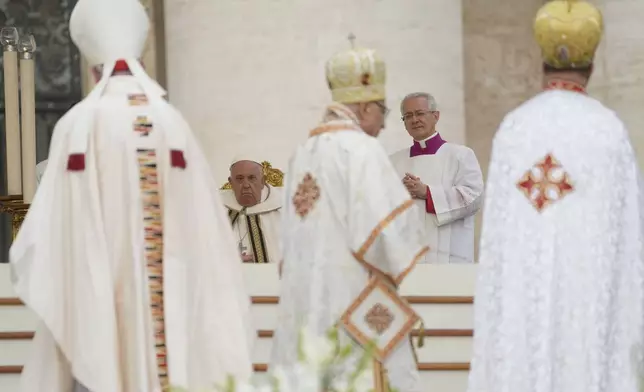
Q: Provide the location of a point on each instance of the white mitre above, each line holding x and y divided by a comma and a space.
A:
109, 30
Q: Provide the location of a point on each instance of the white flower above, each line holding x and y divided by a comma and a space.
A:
282, 379
245, 387
317, 349
364, 382
305, 378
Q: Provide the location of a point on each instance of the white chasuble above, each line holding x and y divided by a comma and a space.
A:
127, 257
345, 214
455, 182
256, 228
559, 303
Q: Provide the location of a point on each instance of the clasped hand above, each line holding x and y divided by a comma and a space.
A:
416, 188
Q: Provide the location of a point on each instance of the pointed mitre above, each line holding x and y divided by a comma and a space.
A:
109, 30
356, 75
568, 32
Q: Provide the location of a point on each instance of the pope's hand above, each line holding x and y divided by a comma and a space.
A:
416, 188
247, 258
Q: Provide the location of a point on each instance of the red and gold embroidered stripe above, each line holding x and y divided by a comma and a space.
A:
153, 229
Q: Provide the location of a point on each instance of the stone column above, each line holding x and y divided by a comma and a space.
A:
618, 79
502, 68
502, 65
249, 76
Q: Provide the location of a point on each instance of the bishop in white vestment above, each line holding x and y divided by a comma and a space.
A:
254, 209
126, 256
346, 216
559, 303
444, 179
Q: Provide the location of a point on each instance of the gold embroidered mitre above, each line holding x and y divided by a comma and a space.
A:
568, 32
356, 75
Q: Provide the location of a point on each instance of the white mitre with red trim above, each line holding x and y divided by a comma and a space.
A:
108, 32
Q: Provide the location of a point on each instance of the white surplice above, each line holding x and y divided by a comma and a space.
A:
345, 212
560, 295
261, 239
454, 178
79, 261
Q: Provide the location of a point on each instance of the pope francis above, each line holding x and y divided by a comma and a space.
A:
254, 209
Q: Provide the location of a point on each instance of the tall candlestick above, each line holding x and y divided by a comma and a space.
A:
9, 38
27, 46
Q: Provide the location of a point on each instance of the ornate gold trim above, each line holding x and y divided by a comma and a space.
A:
17, 208
374, 284
375, 232
332, 128
273, 176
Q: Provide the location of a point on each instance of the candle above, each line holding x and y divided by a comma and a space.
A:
27, 46
9, 38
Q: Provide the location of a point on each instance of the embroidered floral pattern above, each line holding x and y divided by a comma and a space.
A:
306, 196
545, 183
379, 318
153, 228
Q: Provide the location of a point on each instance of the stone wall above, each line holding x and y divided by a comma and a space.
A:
502, 68
619, 67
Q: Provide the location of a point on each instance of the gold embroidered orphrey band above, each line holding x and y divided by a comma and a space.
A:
332, 128
362, 251
257, 240
153, 242
153, 225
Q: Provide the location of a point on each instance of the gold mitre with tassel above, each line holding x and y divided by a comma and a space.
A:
568, 32
356, 75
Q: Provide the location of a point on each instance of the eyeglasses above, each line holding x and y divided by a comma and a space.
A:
383, 108
411, 116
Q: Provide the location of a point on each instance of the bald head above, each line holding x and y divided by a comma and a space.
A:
247, 181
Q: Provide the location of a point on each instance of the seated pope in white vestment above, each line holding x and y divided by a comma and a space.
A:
444, 179
559, 303
254, 209
126, 256
346, 218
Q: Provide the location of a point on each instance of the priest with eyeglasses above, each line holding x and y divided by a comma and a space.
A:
443, 178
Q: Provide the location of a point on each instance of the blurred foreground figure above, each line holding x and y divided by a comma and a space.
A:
126, 256
346, 218
560, 296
